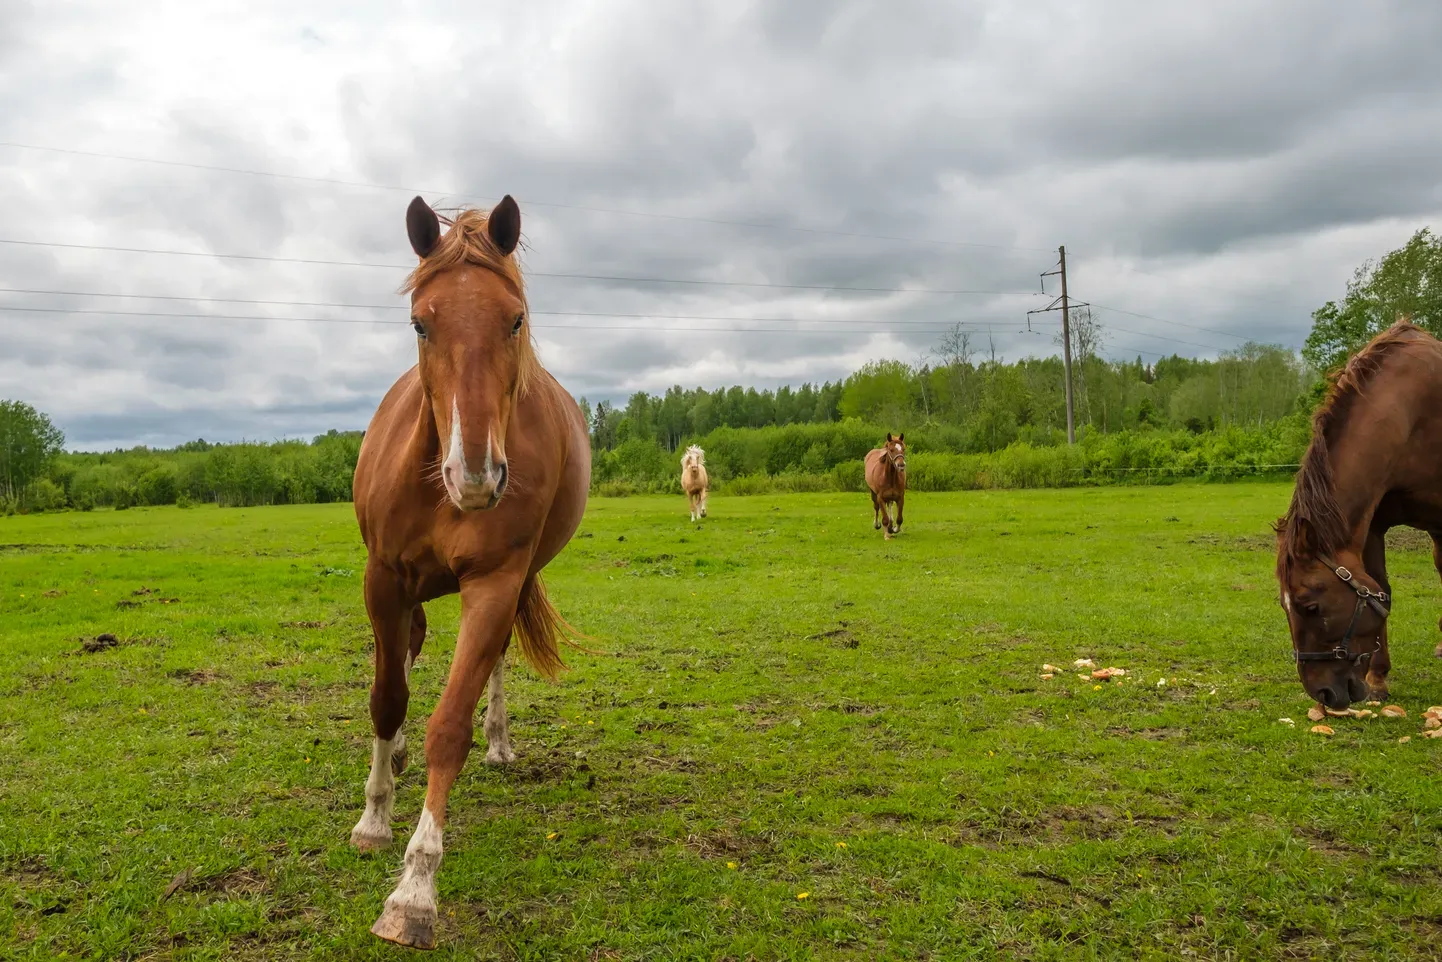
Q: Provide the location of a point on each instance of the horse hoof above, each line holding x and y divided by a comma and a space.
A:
398, 762
412, 928
365, 842
500, 757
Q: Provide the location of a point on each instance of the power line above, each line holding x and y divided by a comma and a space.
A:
533, 203
530, 273
1164, 320
582, 327
898, 325
24, 309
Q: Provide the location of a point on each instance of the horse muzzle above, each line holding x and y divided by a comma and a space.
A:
475, 491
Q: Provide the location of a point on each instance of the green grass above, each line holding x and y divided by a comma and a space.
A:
788, 704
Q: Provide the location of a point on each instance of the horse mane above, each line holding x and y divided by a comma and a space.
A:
1314, 500
694, 453
469, 242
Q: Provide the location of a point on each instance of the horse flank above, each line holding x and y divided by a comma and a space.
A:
1314, 500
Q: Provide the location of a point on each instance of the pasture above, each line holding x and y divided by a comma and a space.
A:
803, 741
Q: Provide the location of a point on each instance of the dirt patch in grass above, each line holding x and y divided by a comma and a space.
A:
1325, 841
195, 676
238, 881
99, 643
839, 637
309, 625
28, 873
729, 843
1159, 734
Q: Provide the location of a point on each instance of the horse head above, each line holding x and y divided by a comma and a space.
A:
895, 451
468, 308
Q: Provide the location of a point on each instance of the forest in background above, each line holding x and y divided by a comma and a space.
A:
972, 421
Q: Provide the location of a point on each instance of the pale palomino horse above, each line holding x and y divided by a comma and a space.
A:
694, 480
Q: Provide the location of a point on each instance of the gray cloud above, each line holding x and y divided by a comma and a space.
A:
1224, 166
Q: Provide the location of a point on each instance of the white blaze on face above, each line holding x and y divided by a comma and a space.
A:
463, 484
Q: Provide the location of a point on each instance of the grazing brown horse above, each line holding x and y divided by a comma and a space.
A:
694, 480
886, 477
473, 475
1375, 462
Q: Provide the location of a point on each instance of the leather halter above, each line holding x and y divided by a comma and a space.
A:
1378, 601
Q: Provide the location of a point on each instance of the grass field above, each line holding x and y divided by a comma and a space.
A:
804, 742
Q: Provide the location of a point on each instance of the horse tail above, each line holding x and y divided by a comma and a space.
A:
538, 627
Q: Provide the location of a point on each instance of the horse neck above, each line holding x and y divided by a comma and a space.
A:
1363, 456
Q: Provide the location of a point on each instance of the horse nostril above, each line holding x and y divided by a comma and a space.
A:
503, 473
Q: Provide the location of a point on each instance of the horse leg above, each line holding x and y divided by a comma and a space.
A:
704, 492
487, 618
399, 756
393, 624
900, 502
876, 510
498, 723
1374, 556
1437, 562
886, 528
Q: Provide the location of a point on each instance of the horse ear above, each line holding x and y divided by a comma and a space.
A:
504, 225
901, 436
1305, 540
888, 437
422, 227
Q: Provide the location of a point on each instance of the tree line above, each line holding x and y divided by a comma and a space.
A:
972, 420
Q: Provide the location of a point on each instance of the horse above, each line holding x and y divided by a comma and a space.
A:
886, 477
1374, 462
694, 480
472, 476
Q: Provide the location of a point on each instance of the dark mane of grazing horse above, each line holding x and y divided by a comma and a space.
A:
1314, 500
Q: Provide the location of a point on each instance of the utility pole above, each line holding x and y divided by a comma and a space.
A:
1066, 348
1064, 305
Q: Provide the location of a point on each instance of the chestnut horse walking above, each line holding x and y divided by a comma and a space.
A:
886, 477
473, 475
1375, 462
694, 480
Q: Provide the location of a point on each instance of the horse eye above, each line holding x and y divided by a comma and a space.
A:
516, 329
1312, 609
419, 328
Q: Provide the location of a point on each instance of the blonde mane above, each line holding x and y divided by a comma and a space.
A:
695, 455
469, 242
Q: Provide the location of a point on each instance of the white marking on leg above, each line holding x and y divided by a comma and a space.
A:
415, 894
498, 724
374, 828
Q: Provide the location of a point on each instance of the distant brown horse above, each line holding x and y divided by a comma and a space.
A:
1375, 462
473, 475
694, 480
886, 477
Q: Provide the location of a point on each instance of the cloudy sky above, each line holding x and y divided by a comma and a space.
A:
712, 192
